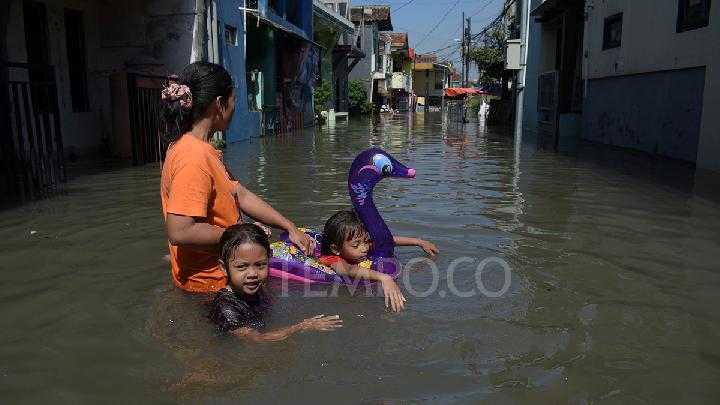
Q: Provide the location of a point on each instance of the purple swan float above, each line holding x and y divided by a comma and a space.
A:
368, 168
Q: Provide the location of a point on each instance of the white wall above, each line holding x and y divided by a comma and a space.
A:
650, 44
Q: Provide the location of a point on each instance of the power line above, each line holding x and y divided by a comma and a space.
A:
401, 6
482, 8
438, 24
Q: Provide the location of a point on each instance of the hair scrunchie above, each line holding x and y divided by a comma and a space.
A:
178, 92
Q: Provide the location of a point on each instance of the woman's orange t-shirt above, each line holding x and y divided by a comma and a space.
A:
195, 183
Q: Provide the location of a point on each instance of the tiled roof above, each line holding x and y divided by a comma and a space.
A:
372, 13
398, 39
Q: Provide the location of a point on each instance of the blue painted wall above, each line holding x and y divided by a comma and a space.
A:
245, 124
661, 114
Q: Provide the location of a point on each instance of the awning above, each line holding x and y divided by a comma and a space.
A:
299, 35
456, 91
332, 17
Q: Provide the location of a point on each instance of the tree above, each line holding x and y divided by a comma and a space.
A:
489, 57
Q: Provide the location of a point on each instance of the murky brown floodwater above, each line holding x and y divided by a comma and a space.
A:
613, 296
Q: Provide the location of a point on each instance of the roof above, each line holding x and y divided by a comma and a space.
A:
372, 13
398, 40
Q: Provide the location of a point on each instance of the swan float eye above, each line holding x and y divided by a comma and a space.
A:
383, 164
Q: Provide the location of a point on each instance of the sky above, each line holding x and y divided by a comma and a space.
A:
419, 17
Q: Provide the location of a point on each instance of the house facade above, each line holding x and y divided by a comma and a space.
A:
398, 64
430, 78
84, 78
371, 70
339, 55
641, 75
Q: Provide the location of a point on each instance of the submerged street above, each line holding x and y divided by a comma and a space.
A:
612, 295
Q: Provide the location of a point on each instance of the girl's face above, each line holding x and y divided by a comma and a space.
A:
248, 269
225, 113
354, 250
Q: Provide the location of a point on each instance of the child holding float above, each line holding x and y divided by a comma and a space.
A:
240, 306
345, 246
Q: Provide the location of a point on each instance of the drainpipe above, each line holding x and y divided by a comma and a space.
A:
197, 52
589, 6
216, 49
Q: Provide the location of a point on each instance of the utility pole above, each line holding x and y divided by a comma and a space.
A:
462, 77
468, 40
469, 45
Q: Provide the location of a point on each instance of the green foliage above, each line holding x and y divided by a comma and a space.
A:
321, 94
357, 95
489, 56
367, 107
474, 103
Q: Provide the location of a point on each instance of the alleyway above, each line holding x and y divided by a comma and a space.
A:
613, 283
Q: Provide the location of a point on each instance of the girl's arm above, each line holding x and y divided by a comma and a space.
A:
260, 210
318, 323
427, 247
393, 296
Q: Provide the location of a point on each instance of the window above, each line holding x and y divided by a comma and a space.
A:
342, 9
231, 35
612, 31
77, 67
692, 14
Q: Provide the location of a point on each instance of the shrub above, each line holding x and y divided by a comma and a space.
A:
321, 94
357, 95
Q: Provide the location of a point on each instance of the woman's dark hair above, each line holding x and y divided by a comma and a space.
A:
240, 234
341, 227
206, 81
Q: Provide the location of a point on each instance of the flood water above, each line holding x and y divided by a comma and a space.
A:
612, 293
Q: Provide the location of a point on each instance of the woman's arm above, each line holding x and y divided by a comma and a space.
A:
318, 323
260, 210
185, 231
427, 247
393, 296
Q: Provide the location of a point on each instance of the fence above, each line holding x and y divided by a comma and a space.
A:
31, 144
144, 93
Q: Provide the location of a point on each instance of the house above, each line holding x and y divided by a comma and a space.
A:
369, 21
84, 78
430, 78
279, 60
398, 64
641, 75
339, 55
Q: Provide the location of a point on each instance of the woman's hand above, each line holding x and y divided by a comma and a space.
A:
393, 296
428, 247
302, 240
321, 323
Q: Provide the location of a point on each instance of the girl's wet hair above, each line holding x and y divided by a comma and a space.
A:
341, 227
240, 234
206, 81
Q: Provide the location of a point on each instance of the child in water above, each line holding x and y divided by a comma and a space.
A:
239, 308
346, 243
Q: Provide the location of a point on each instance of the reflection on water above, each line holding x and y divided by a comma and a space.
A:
612, 295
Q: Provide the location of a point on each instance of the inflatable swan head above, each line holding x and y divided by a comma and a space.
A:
374, 164
368, 168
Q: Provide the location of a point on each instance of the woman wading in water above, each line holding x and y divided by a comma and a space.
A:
200, 199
